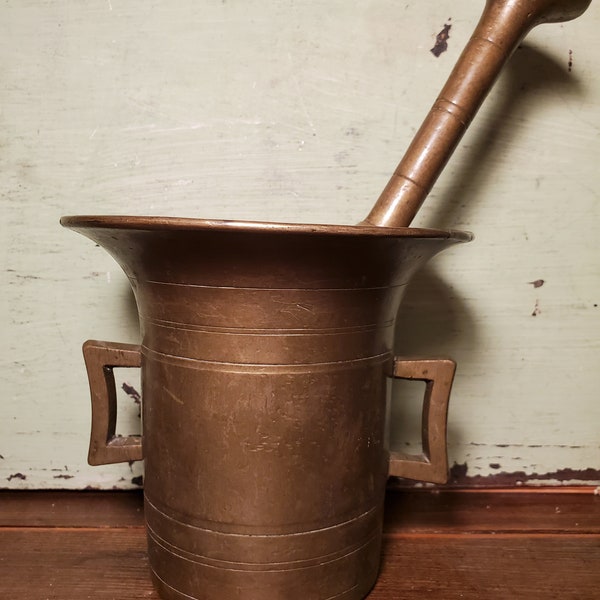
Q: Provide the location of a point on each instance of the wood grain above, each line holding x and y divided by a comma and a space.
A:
500, 511
453, 545
476, 567
73, 564
62, 564
71, 509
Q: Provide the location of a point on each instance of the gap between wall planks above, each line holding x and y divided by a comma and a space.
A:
447, 544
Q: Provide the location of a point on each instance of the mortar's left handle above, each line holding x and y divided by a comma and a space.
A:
100, 359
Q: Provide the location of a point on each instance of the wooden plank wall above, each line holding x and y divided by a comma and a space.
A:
299, 111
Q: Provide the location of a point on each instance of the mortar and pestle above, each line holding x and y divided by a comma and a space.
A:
266, 364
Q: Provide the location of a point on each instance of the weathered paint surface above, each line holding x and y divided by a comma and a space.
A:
299, 111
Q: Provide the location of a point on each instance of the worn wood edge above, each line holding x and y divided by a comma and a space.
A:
469, 511
592, 490
431, 511
50, 508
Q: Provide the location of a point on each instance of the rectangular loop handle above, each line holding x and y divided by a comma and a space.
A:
432, 464
100, 360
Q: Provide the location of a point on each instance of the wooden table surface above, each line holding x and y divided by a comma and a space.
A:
500, 544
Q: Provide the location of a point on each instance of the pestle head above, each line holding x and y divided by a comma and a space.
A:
552, 11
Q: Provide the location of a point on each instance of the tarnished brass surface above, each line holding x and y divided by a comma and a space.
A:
266, 363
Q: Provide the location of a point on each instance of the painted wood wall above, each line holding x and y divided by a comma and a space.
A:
299, 111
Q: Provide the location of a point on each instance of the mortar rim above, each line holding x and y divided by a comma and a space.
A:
157, 223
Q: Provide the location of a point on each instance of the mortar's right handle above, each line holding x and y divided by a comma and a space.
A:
503, 25
432, 464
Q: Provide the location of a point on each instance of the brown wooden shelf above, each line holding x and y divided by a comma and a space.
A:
437, 544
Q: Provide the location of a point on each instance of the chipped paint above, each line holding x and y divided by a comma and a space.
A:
132, 392
459, 476
538, 283
441, 40
570, 63
134, 395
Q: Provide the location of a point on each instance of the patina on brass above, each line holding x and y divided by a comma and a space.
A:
266, 360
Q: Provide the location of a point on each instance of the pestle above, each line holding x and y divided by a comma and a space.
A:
503, 25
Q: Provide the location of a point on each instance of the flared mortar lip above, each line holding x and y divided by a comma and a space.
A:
159, 223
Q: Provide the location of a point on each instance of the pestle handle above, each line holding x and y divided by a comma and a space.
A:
502, 26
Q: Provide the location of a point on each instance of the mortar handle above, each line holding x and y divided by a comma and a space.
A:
100, 360
432, 464
502, 27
